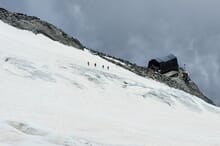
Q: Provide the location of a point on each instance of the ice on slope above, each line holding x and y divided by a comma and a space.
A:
48, 84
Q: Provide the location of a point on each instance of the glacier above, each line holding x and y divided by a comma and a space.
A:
51, 96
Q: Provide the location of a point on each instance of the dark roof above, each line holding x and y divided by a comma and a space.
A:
164, 64
165, 58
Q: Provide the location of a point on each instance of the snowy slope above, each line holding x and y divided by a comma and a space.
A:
50, 96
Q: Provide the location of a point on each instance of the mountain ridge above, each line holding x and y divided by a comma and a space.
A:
57, 95
38, 26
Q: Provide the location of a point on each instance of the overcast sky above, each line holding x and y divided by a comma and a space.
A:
138, 30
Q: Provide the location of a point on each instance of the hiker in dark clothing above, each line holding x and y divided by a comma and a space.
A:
6, 59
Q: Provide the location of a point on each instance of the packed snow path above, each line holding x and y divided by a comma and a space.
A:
50, 95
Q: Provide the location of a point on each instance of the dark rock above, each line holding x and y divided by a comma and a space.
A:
178, 83
38, 26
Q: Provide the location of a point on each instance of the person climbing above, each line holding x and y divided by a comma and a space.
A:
103, 66
7, 59
88, 63
95, 64
108, 67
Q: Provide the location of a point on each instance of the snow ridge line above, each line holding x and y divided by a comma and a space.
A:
38, 26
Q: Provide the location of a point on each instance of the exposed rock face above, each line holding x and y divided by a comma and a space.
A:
175, 82
38, 26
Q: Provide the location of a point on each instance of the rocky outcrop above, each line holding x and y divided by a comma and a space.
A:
38, 26
175, 82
